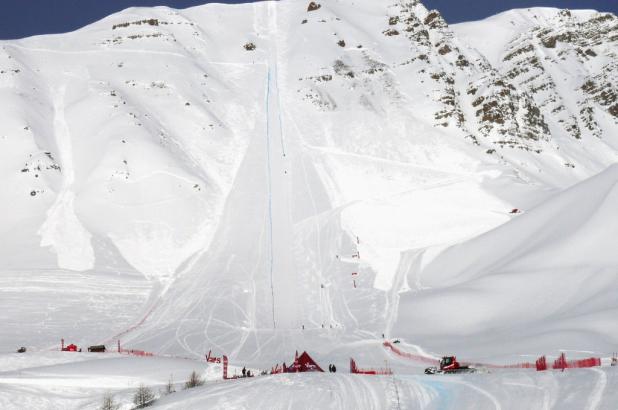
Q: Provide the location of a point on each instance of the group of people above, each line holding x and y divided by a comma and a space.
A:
246, 373
332, 368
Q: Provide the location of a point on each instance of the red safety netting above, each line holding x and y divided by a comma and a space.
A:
541, 364
583, 363
431, 360
135, 352
354, 369
562, 363
522, 365
411, 356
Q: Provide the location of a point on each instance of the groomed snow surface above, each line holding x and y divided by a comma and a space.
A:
62, 380
168, 188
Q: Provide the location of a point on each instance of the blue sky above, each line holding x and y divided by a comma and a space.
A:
22, 18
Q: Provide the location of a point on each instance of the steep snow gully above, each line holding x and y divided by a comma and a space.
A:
248, 277
62, 230
283, 273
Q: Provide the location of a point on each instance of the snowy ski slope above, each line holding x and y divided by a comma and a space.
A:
350, 176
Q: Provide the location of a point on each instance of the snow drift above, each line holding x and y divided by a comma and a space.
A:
256, 171
545, 280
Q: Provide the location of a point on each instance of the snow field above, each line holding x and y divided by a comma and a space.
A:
82, 384
192, 195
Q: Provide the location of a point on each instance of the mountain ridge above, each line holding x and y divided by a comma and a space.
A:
238, 156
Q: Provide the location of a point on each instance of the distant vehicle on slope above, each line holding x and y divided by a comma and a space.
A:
21, 350
449, 365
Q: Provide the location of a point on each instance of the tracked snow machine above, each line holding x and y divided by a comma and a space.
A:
450, 365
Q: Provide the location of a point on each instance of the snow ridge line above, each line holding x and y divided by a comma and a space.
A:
270, 196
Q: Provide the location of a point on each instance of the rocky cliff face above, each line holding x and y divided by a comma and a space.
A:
465, 92
566, 62
490, 107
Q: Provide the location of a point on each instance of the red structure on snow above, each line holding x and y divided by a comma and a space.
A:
562, 363
225, 367
541, 364
302, 363
69, 348
355, 370
590, 362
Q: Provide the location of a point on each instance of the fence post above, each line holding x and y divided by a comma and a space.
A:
560, 362
224, 367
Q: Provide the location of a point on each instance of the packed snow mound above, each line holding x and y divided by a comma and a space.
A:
545, 280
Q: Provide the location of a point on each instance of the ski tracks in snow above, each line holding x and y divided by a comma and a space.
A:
546, 394
597, 394
477, 389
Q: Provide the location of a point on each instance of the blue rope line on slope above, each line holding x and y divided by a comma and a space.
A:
279, 112
270, 196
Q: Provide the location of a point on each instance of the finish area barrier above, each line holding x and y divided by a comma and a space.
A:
539, 365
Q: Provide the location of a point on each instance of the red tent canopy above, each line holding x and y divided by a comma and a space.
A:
303, 363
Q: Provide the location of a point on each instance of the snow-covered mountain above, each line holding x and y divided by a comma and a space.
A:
565, 60
255, 172
258, 178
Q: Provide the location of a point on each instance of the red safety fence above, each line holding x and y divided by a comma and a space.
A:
436, 362
354, 369
522, 365
583, 363
135, 352
541, 364
411, 356
562, 363
134, 326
